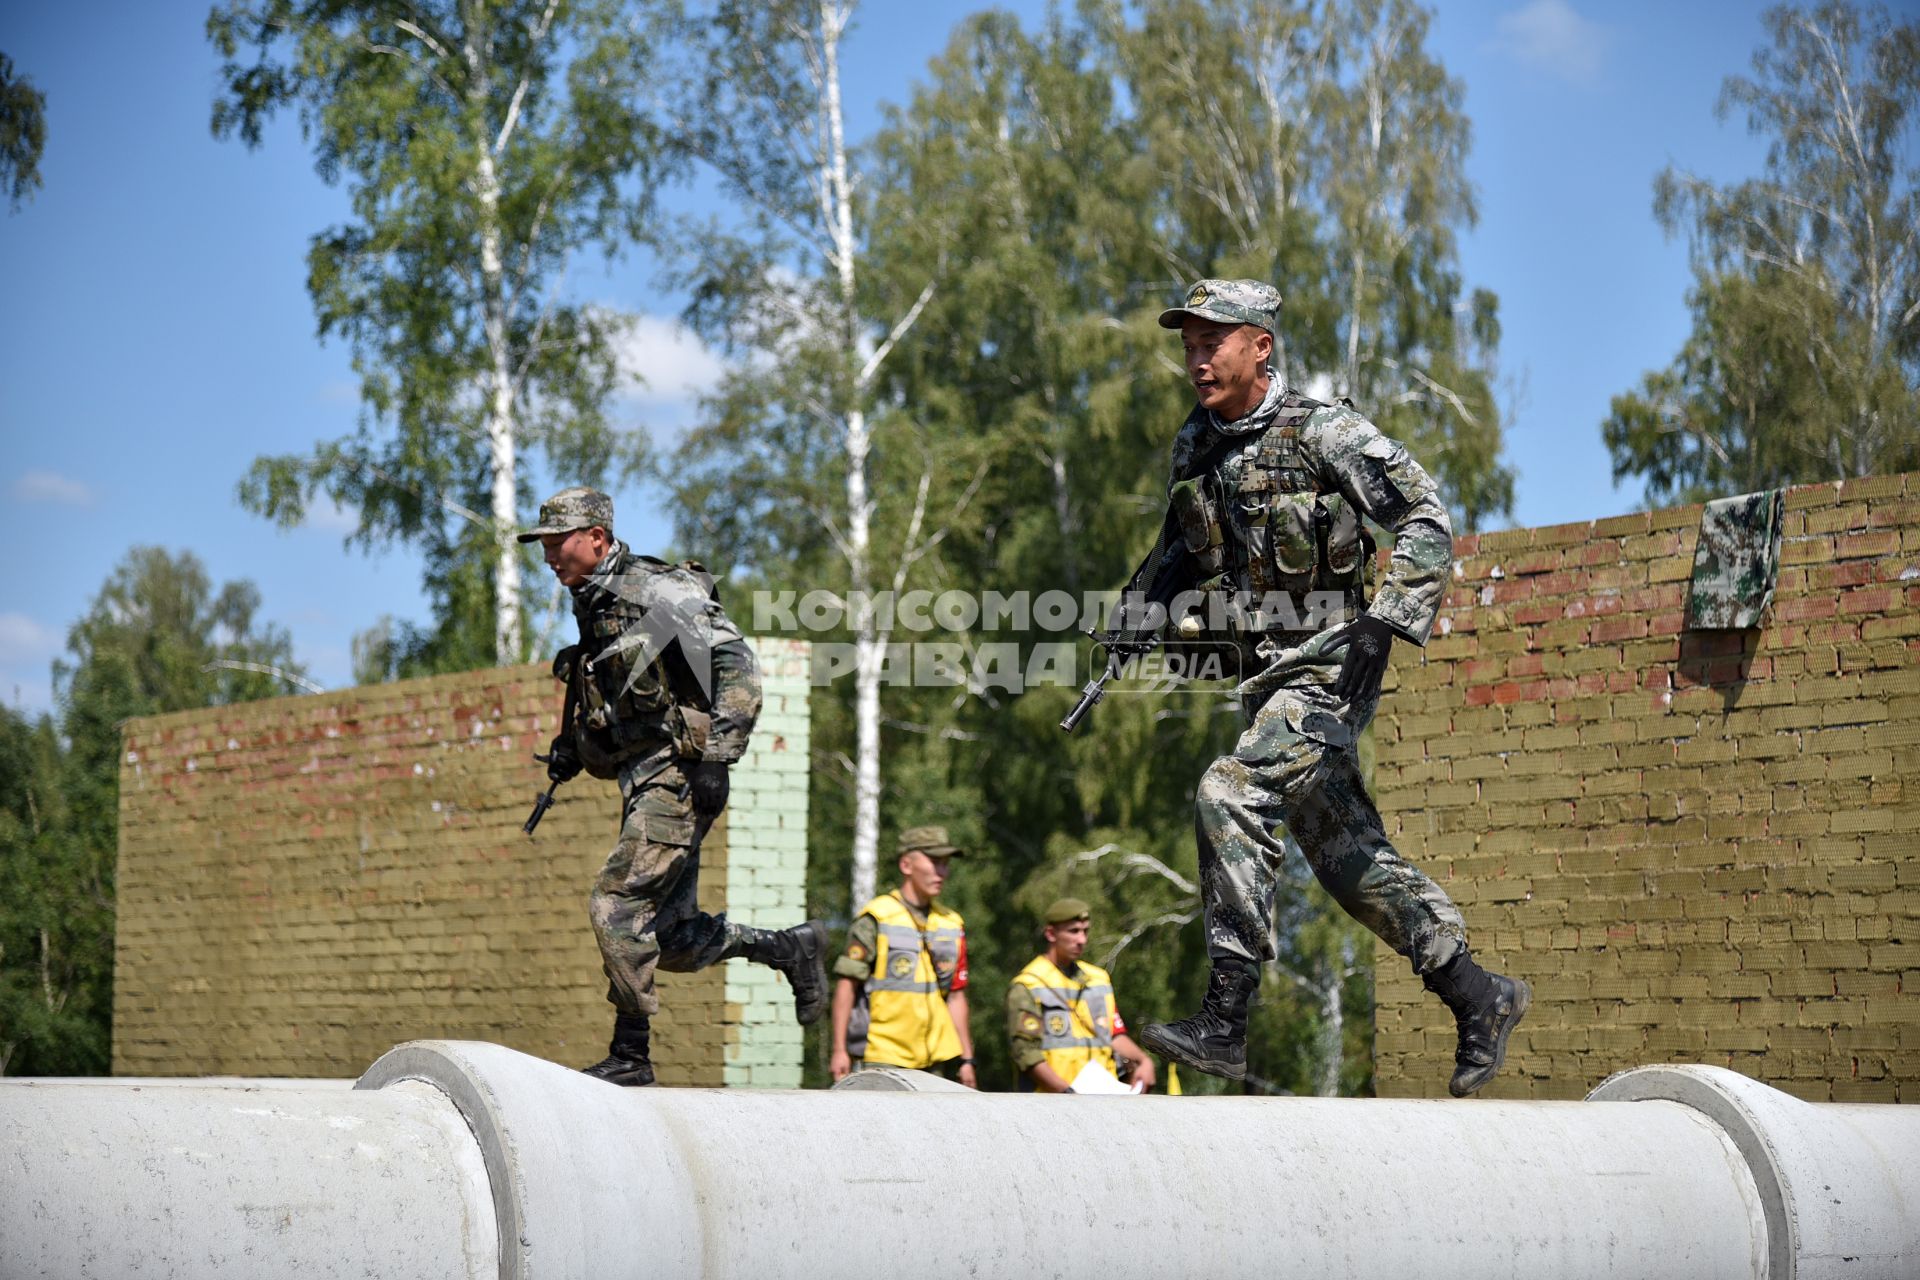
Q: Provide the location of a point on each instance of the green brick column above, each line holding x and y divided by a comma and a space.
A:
767, 867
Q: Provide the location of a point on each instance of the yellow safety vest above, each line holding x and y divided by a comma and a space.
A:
900, 1018
1076, 1014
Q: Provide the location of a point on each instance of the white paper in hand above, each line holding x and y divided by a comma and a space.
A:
1094, 1078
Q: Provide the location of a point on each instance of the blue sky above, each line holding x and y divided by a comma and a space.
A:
157, 333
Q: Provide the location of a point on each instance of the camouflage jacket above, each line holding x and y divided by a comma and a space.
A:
659, 670
1278, 497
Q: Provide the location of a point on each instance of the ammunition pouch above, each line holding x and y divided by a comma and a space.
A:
1198, 517
1292, 537
691, 729
624, 705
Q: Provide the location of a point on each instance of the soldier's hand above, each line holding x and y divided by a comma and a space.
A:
562, 764
839, 1065
1369, 644
708, 783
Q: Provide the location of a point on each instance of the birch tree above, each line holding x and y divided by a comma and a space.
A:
483, 145
23, 134
1804, 359
791, 461
1321, 147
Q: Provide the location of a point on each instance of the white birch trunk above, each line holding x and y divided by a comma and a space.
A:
869, 640
501, 459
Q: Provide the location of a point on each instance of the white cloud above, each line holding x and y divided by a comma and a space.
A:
671, 364
25, 640
1550, 35
50, 486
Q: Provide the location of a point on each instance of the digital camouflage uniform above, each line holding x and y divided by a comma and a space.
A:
643, 904
661, 678
1267, 504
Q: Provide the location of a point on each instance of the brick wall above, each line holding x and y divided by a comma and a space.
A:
307, 881
1698, 846
767, 868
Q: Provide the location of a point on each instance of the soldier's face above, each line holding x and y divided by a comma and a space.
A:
926, 874
573, 555
1069, 940
1227, 364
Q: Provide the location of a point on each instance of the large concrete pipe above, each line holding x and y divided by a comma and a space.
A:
446, 1148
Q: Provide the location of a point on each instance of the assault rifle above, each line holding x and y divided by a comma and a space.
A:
544, 802
1123, 643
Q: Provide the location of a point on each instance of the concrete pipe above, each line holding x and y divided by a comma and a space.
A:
479, 1160
240, 1180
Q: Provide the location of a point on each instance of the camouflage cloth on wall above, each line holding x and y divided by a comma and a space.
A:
1736, 561
643, 904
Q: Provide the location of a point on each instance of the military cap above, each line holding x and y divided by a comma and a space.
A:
931, 841
1228, 302
570, 509
1067, 910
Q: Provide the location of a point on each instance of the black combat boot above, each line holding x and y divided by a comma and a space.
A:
1487, 1007
626, 1061
800, 954
1215, 1039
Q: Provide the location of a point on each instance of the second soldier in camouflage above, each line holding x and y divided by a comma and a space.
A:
661, 693
1266, 497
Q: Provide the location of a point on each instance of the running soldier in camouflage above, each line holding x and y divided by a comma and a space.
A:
1266, 497
662, 692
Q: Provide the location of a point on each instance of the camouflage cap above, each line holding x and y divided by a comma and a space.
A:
1229, 302
570, 509
931, 841
1067, 910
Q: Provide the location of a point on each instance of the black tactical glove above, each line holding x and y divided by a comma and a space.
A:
1369, 643
708, 783
562, 764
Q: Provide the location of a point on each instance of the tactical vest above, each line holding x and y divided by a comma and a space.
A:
624, 704
900, 1017
1256, 519
1076, 1015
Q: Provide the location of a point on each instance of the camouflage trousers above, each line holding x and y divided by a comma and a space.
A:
644, 904
1294, 768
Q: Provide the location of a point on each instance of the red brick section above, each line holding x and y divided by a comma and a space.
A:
1698, 847
306, 882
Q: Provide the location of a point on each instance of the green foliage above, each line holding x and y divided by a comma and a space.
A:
483, 146
56, 912
157, 638
23, 133
1804, 360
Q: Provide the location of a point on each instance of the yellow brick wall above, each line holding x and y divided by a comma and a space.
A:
305, 882
1698, 847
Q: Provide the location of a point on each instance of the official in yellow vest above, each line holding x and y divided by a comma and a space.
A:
1061, 1012
900, 994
